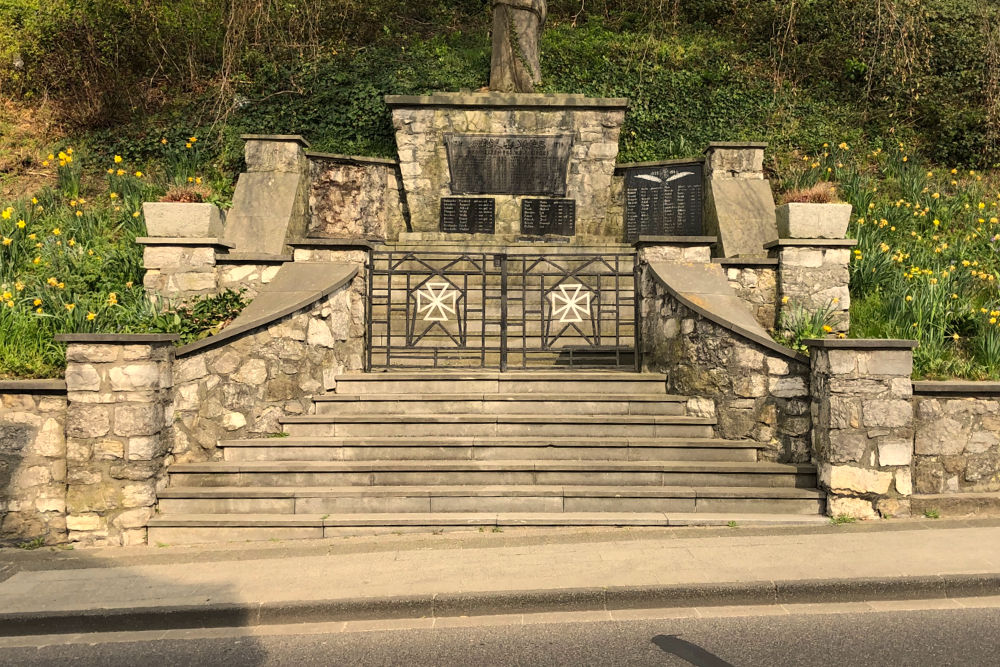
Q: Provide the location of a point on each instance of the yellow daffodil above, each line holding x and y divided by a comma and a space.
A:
70, 307
91, 317
7, 241
118, 159
37, 302
56, 232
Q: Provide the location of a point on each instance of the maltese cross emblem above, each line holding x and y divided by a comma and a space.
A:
571, 304
437, 301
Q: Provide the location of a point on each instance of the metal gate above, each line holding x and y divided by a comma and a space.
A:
500, 310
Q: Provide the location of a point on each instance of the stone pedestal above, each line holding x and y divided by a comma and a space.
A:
180, 268
424, 125
815, 274
117, 418
674, 249
863, 425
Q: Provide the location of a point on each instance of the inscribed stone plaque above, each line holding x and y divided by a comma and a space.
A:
548, 216
504, 164
664, 200
468, 216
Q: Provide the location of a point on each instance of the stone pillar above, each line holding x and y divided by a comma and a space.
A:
180, 268
118, 413
271, 201
674, 249
815, 274
739, 205
863, 424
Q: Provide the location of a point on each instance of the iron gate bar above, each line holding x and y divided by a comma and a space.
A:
510, 302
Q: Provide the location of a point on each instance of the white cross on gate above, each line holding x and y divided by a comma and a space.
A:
571, 304
437, 300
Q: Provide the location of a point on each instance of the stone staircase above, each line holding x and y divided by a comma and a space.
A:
443, 450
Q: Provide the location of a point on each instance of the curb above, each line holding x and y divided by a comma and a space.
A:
132, 619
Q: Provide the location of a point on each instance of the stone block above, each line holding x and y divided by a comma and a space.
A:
813, 221
904, 482
846, 446
233, 421
82, 377
887, 362
842, 479
135, 377
190, 368
135, 420
252, 372
799, 258
95, 354
87, 421
275, 155
895, 452
858, 508
942, 436
788, 387
85, 522
135, 518
182, 220
740, 213
889, 413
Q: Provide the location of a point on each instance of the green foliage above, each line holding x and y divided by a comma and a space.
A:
201, 317
842, 519
932, 514
797, 324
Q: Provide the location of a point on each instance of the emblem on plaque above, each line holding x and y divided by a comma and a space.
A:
571, 303
436, 301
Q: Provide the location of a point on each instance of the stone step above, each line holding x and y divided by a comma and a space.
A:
386, 499
201, 528
492, 382
511, 472
372, 425
474, 448
449, 357
533, 403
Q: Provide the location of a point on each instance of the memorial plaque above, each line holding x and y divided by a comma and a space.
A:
548, 216
664, 200
500, 164
468, 216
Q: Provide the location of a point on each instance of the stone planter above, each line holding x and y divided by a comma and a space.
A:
182, 220
813, 221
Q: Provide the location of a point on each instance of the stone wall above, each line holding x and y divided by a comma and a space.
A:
863, 425
355, 198
179, 269
760, 394
815, 274
421, 124
32, 461
755, 281
117, 421
957, 437
240, 388
246, 275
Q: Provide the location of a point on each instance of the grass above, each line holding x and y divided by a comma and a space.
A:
841, 519
931, 513
927, 262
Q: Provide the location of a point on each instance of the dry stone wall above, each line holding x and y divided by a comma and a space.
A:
241, 388
756, 284
957, 442
355, 198
814, 274
758, 393
32, 463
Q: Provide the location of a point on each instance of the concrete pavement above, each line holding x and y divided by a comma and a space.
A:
473, 573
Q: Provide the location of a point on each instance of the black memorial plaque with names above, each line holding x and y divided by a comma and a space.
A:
500, 164
468, 216
548, 216
664, 200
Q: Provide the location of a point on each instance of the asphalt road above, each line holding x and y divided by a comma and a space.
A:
966, 637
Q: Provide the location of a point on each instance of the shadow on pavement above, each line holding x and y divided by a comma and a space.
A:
685, 650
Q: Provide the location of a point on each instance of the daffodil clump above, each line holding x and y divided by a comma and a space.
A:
69, 261
927, 262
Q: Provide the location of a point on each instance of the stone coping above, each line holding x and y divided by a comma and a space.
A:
124, 339
811, 243
659, 163
703, 306
508, 100
352, 159
347, 244
53, 386
861, 343
968, 387
278, 299
735, 144
675, 240
250, 258
179, 241
747, 262
297, 138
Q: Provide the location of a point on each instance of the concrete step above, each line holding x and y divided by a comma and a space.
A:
372, 425
407, 499
489, 449
534, 403
201, 528
516, 382
515, 473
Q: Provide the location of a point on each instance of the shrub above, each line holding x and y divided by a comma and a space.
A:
823, 192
